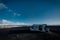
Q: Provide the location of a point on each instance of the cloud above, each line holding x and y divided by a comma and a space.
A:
3, 6
48, 22
7, 22
10, 10
16, 14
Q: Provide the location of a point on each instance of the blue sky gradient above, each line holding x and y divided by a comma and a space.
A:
31, 11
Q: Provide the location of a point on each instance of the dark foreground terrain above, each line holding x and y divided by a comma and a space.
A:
18, 34
30, 36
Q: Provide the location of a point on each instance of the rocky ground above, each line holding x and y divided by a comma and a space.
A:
29, 36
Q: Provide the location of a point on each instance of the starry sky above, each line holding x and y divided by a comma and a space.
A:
31, 11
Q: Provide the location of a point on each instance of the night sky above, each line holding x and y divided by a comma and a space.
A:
30, 11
